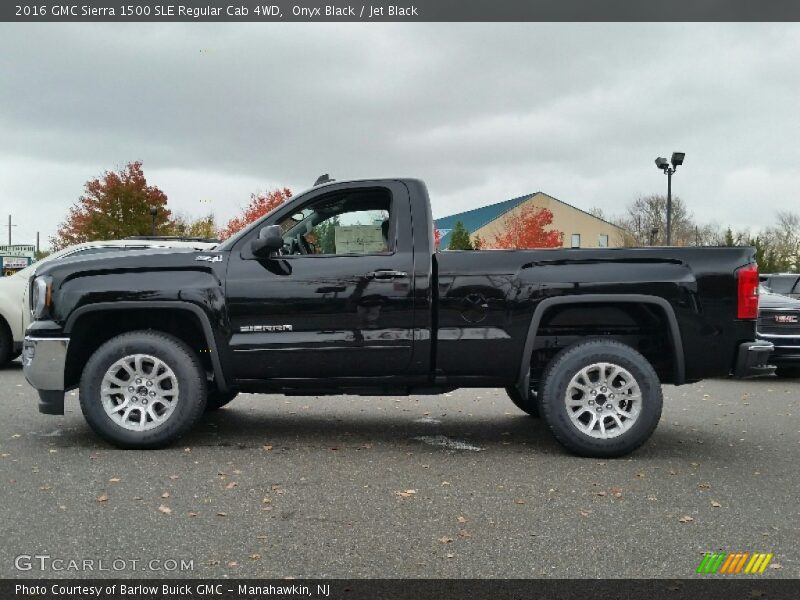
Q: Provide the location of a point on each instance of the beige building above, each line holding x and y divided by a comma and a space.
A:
580, 229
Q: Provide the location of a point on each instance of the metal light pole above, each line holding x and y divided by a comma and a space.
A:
661, 163
153, 213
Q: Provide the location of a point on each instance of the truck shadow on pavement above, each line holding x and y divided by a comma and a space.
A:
496, 434
245, 427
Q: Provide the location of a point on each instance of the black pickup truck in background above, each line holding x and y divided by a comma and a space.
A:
341, 290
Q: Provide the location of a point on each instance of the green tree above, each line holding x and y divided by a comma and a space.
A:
728, 239
766, 257
325, 235
184, 226
459, 238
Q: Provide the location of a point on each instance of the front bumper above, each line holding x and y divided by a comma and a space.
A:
43, 362
787, 348
751, 360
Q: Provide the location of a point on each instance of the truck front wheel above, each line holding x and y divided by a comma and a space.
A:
143, 389
601, 398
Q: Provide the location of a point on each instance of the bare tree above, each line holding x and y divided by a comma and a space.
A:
598, 212
646, 221
784, 240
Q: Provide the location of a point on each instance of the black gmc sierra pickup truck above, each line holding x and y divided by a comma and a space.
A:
341, 290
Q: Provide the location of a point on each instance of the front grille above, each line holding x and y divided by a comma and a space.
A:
779, 322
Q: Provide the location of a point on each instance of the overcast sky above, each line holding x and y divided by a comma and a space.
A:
482, 112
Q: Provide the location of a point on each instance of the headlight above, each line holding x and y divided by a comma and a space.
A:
41, 297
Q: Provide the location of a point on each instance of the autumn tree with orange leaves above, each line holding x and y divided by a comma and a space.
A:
525, 229
260, 205
114, 205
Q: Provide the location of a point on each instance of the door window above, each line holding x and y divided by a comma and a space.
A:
349, 222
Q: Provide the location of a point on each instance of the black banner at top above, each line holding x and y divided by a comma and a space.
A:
398, 11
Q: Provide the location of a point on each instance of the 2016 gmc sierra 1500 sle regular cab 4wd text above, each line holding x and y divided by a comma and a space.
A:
341, 290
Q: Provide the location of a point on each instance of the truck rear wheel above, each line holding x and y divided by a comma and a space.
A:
601, 398
530, 406
143, 389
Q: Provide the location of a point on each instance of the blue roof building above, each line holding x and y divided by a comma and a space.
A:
580, 228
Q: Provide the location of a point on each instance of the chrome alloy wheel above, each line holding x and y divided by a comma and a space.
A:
139, 392
603, 400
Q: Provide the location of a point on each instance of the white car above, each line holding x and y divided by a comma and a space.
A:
14, 313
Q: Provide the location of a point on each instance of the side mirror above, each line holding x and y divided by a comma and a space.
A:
269, 240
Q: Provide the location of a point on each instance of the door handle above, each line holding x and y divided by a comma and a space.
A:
386, 274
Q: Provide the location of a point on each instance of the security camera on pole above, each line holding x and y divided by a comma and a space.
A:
661, 163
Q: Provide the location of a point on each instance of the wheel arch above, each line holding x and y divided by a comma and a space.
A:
184, 310
675, 339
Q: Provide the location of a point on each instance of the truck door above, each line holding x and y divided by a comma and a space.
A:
338, 301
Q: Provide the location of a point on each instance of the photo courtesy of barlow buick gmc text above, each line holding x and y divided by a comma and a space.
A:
435, 300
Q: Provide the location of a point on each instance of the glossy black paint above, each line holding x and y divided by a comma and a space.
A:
347, 315
440, 320
697, 283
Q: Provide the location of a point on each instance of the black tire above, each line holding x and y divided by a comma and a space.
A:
568, 363
216, 399
787, 371
174, 353
531, 406
6, 344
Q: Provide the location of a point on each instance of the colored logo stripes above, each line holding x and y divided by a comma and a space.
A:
734, 563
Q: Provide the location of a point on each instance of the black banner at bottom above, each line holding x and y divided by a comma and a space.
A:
746, 588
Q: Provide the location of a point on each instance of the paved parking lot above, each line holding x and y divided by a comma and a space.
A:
461, 485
